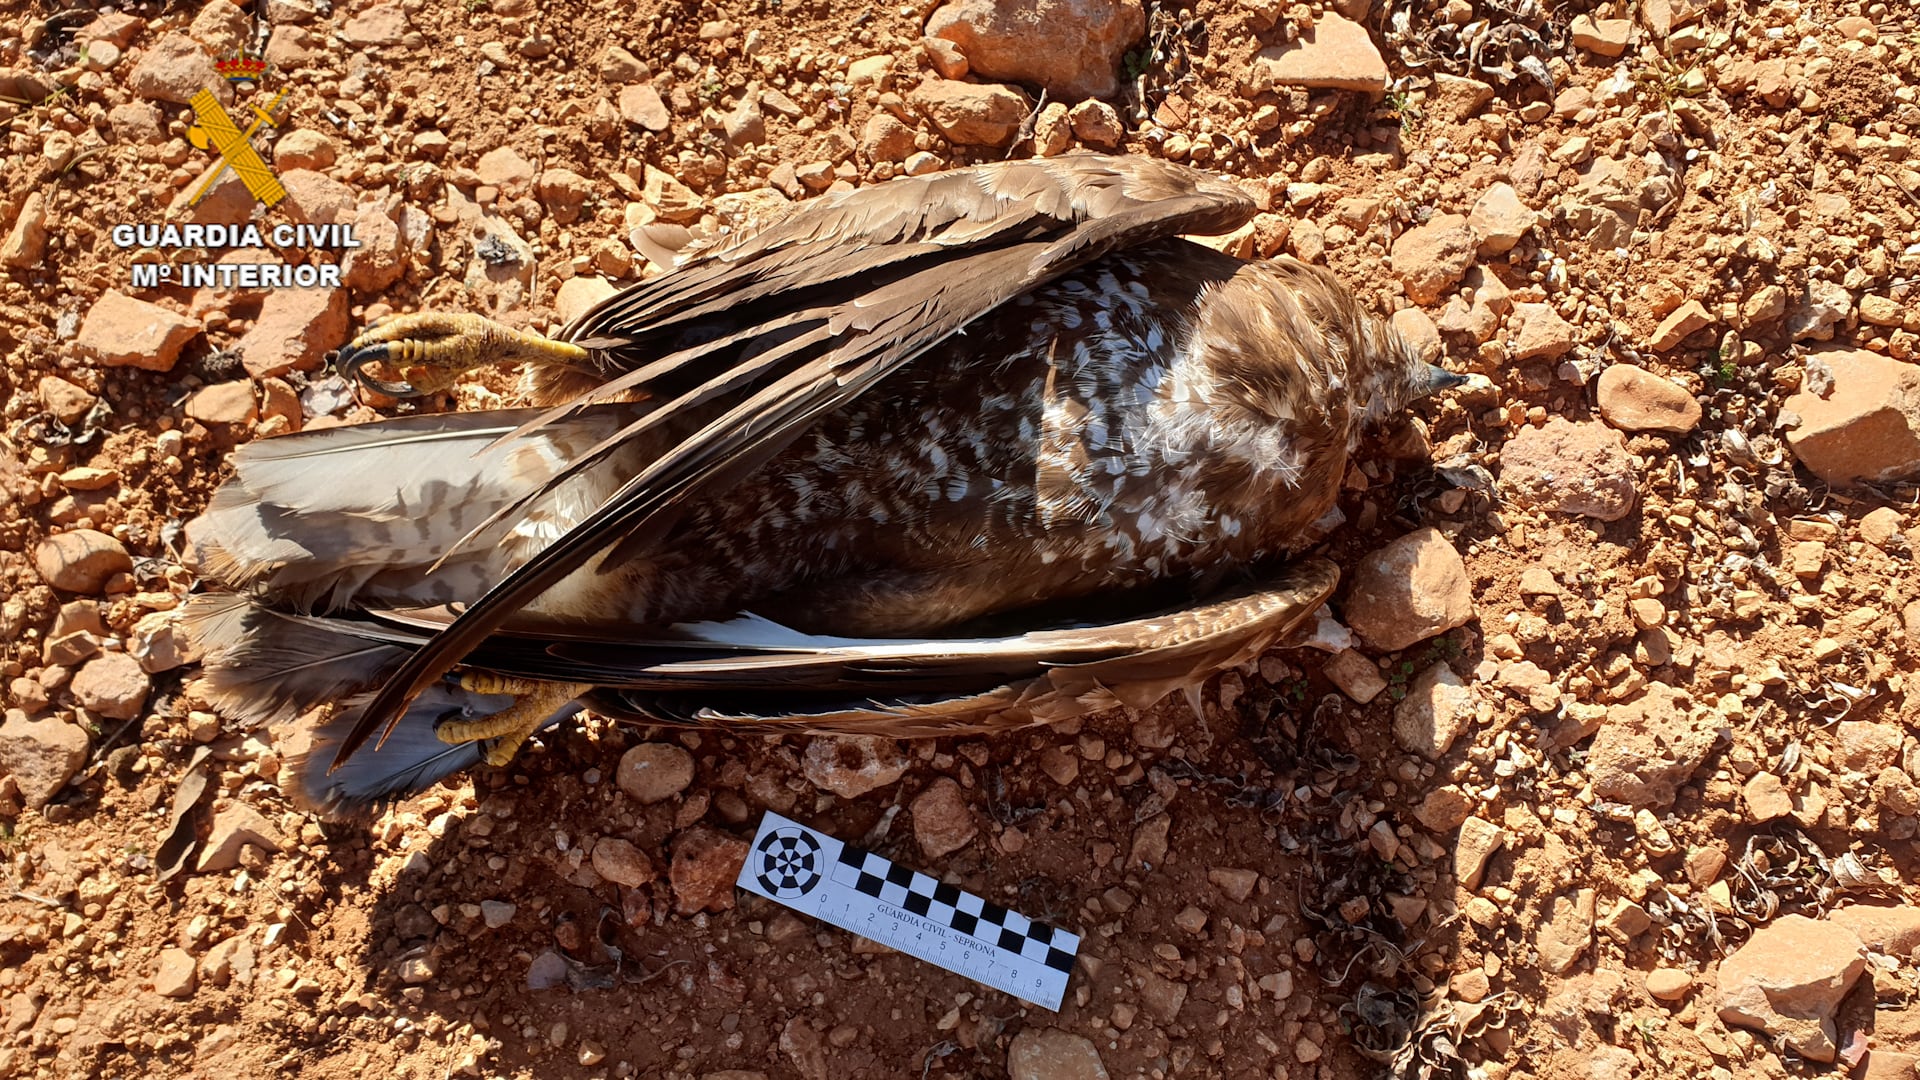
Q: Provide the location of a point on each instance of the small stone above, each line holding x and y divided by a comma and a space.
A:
654, 772
943, 823
1878, 310
1539, 332
1668, 984
1336, 52
1891, 930
1788, 980
1570, 468
1443, 809
641, 106
705, 865
498, 913
852, 765
1499, 219
67, 402
670, 199
40, 756
1430, 259
563, 192
1825, 305
382, 24
1416, 328
1356, 676
870, 70
1052, 131
1458, 99
745, 124
235, 826
1238, 885
112, 685
121, 331
174, 69
1049, 1054
1679, 325
1608, 37
1191, 919
577, 295
1626, 921
1437, 709
1567, 932
1097, 124
1413, 589
621, 863
885, 138
1478, 840
305, 148
1149, 847
1881, 528
1649, 746
1634, 399
26, 243
223, 403
1072, 48
174, 976
971, 114
1865, 426
1865, 747
418, 970
619, 66
948, 60
80, 561
295, 330
1766, 798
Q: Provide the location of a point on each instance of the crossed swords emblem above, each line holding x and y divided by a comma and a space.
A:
217, 129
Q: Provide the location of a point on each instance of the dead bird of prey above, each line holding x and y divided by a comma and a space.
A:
973, 450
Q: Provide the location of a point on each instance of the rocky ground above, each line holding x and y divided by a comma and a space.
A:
1605, 763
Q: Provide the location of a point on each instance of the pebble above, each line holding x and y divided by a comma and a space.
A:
40, 756
971, 114
236, 826
943, 823
121, 331
1357, 677
1788, 980
1633, 399
1538, 331
1679, 325
305, 148
497, 913
1413, 589
654, 772
1438, 707
949, 61
175, 68
175, 974
1668, 984
641, 106
852, 765
1574, 468
1236, 884
1071, 48
1607, 37
26, 243
296, 328
621, 863
1050, 1054
223, 403
1337, 53
1429, 259
1866, 426
1649, 746
705, 864
81, 560
1097, 124
1766, 798
1567, 931
382, 24
66, 401
1478, 840
112, 685
1498, 218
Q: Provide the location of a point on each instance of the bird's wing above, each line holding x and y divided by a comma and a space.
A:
815, 312
751, 672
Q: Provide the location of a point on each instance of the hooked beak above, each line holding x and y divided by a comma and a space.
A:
1439, 380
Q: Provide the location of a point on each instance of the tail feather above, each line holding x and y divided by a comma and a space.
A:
362, 512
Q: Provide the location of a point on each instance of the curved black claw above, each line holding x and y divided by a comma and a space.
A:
351, 362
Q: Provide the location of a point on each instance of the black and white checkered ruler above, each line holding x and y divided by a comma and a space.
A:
879, 899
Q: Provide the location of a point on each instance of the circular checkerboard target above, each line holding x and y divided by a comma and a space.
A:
789, 863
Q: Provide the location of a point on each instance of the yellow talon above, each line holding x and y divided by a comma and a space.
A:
510, 727
432, 349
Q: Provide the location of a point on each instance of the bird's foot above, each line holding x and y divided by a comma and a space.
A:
535, 700
431, 349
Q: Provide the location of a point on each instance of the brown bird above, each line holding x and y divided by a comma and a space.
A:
955, 452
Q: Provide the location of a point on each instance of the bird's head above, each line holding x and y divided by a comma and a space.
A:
1389, 374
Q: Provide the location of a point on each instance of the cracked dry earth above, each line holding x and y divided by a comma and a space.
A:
1603, 763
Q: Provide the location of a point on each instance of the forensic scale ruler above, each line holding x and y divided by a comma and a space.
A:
879, 899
